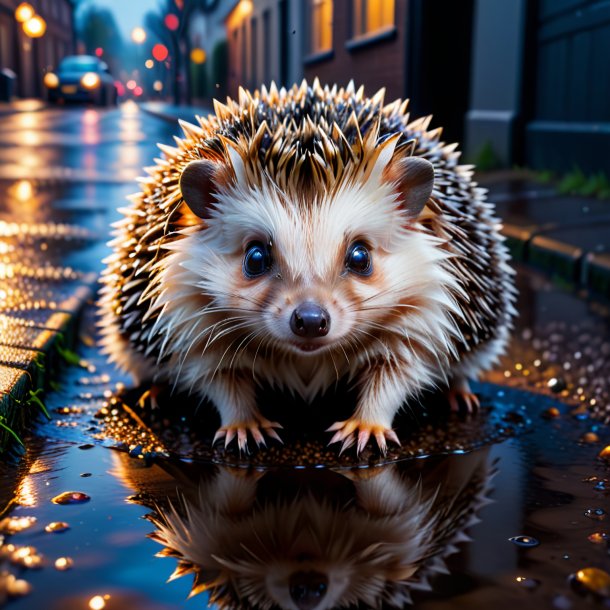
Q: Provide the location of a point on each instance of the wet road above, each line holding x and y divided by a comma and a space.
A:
312, 527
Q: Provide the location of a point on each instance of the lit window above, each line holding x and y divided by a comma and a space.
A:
370, 16
320, 25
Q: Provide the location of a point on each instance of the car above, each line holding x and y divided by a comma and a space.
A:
81, 78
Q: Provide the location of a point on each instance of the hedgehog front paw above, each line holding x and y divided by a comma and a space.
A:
354, 430
257, 427
459, 394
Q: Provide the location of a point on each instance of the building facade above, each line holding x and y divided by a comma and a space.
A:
265, 40
29, 57
363, 40
525, 80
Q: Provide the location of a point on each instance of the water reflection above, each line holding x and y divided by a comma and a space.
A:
311, 539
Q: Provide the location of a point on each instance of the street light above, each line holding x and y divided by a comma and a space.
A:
138, 35
160, 52
24, 12
198, 56
35, 27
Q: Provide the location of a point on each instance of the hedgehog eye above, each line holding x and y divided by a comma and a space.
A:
257, 259
359, 260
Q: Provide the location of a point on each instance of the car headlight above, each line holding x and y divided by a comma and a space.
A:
90, 80
50, 80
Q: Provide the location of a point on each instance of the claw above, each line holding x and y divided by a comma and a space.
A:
151, 395
230, 436
273, 434
259, 439
257, 428
347, 443
220, 433
459, 394
363, 439
357, 432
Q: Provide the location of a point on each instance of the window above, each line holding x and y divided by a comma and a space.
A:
320, 14
370, 16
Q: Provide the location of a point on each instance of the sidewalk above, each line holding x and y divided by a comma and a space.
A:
567, 237
43, 288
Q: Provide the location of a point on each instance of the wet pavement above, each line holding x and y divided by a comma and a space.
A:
505, 508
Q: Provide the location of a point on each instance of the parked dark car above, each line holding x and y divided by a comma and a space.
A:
81, 78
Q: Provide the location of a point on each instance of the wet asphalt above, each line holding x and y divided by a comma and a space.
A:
445, 506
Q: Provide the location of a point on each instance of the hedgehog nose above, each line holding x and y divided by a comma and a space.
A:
307, 589
310, 320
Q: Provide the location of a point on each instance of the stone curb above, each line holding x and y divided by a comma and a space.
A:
566, 262
32, 353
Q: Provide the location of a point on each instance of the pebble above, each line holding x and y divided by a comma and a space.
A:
56, 527
599, 514
589, 437
598, 537
551, 413
591, 580
71, 497
63, 563
524, 541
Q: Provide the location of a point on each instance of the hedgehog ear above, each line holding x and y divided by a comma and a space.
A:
414, 180
197, 184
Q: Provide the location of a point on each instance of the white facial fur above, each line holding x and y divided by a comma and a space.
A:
405, 303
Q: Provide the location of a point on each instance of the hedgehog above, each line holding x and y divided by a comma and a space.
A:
301, 236
312, 540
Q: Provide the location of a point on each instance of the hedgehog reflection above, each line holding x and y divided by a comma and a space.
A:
320, 539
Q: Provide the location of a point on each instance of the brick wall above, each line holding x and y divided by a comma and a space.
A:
374, 63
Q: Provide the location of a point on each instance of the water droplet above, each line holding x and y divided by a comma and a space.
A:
551, 413
136, 451
527, 583
27, 557
524, 541
71, 497
556, 384
591, 580
64, 563
599, 514
98, 602
598, 538
12, 525
56, 527
589, 437
16, 587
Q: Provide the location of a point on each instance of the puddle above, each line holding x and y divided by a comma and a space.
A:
505, 508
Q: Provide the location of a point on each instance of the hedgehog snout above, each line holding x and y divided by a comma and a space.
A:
310, 320
307, 589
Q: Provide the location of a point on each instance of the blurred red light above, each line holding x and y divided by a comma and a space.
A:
171, 22
99, 51
138, 91
131, 84
160, 52
120, 88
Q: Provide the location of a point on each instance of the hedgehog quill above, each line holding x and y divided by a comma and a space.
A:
297, 237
